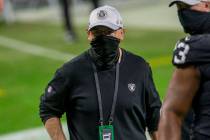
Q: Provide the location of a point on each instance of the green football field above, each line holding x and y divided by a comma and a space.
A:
23, 76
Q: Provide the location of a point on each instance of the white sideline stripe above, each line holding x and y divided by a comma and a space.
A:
37, 134
34, 49
31, 134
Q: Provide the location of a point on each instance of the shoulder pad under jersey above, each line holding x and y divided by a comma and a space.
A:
193, 50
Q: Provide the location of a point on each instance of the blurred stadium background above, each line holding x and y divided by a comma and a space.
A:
32, 47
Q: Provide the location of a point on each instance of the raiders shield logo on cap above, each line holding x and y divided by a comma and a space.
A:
102, 14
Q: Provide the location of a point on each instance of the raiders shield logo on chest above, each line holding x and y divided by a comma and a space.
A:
132, 87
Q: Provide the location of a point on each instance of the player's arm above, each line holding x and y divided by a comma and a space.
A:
182, 89
54, 129
185, 82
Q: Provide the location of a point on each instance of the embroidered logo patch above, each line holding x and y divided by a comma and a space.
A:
102, 14
132, 87
50, 89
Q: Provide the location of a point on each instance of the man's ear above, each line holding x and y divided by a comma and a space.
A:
90, 35
207, 6
121, 34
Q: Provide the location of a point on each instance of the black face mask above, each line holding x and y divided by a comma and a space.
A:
194, 22
105, 51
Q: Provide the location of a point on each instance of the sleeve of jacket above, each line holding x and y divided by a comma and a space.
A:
153, 103
52, 102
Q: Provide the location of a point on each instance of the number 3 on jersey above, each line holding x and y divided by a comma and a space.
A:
181, 50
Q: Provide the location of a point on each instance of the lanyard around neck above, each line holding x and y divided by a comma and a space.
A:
98, 90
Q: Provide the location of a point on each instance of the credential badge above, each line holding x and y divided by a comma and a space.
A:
132, 87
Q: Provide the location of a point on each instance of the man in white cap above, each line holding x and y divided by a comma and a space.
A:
190, 84
107, 93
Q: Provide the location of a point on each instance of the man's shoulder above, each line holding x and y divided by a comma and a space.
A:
77, 59
193, 50
135, 59
75, 64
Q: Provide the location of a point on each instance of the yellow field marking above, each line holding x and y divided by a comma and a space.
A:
160, 61
2, 93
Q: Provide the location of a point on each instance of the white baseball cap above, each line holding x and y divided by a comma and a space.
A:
188, 2
105, 16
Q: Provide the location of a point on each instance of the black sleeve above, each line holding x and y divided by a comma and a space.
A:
52, 102
153, 103
192, 50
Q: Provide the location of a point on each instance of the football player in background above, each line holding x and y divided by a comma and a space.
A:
190, 83
66, 6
